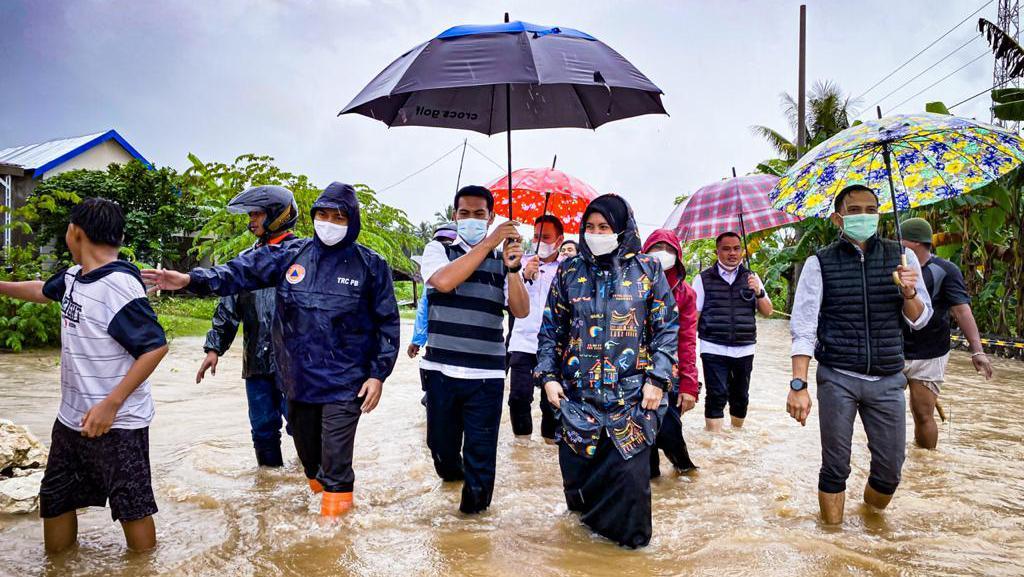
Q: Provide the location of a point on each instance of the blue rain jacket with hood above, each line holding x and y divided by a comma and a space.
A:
336, 322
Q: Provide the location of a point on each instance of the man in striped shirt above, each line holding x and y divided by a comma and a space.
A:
468, 284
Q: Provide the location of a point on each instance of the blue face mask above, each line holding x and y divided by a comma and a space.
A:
472, 230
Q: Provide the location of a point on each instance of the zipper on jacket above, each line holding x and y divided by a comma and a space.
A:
867, 315
604, 322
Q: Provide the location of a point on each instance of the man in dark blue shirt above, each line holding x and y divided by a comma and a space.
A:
336, 332
927, 350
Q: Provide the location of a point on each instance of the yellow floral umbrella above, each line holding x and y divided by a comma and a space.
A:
917, 159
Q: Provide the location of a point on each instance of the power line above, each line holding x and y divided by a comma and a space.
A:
929, 87
987, 90
920, 74
912, 58
492, 161
438, 159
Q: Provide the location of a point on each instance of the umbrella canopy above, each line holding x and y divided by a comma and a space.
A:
738, 204
916, 159
557, 77
539, 191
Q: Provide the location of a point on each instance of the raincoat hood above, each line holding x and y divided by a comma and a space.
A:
619, 214
342, 197
668, 237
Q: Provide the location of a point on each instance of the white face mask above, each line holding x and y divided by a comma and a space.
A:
545, 249
667, 259
602, 244
329, 233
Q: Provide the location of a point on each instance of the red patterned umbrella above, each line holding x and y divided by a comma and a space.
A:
539, 191
738, 204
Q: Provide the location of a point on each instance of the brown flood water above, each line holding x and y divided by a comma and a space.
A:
751, 509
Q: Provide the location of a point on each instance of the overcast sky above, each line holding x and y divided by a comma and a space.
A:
224, 78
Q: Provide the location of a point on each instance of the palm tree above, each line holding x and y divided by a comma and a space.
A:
445, 216
425, 231
828, 113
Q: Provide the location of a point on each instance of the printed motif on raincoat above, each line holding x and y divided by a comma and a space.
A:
610, 325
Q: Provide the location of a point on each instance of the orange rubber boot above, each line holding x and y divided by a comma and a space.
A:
315, 486
335, 504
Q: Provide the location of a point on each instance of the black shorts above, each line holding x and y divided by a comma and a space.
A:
82, 472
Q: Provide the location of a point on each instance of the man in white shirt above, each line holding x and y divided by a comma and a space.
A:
469, 283
849, 313
728, 295
539, 271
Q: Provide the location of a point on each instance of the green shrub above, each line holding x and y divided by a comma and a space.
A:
24, 324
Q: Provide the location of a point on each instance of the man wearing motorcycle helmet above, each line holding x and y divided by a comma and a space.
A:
272, 214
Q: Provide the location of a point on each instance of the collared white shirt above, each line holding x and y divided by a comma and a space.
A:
714, 348
803, 325
525, 332
435, 258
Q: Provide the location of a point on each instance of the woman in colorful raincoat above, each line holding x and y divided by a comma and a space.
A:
607, 347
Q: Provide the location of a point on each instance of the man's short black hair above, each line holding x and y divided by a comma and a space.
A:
570, 241
846, 192
100, 219
552, 220
477, 191
725, 235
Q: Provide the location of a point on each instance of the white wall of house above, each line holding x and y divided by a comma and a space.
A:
96, 158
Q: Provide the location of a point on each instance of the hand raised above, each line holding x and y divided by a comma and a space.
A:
164, 279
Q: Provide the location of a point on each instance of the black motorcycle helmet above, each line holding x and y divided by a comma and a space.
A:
277, 201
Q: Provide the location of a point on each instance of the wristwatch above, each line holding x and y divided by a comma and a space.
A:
763, 293
798, 384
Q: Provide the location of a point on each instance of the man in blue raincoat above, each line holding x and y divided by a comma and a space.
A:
335, 332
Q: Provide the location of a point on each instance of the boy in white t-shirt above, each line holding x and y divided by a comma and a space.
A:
110, 343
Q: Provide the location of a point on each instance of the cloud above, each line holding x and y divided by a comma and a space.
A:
224, 78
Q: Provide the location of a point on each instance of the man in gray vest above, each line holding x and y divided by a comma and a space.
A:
849, 313
728, 295
469, 284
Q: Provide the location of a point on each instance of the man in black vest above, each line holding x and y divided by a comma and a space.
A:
468, 284
927, 350
847, 313
728, 294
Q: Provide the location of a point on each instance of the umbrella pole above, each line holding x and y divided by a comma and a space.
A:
886, 153
743, 233
508, 142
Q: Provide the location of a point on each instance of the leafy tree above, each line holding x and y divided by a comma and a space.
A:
156, 212
223, 235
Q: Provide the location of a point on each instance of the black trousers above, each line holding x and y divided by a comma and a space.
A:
463, 416
670, 440
520, 398
728, 381
325, 436
612, 494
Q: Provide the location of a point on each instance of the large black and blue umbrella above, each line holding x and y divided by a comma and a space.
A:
504, 77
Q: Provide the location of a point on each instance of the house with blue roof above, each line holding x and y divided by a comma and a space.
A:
23, 167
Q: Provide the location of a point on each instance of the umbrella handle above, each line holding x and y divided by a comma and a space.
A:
896, 275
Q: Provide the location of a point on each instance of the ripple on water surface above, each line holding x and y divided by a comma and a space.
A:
749, 510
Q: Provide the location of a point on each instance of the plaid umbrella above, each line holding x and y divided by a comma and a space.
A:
738, 204
538, 191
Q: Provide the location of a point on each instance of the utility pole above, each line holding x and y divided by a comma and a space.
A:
801, 90
801, 135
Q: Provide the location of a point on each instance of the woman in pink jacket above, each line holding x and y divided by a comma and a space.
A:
665, 245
